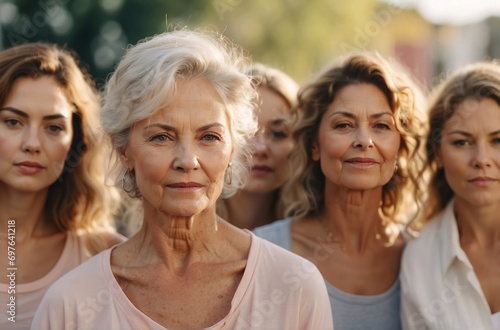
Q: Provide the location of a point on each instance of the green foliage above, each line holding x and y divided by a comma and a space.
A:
297, 36
99, 31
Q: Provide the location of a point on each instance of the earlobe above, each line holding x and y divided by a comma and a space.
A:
438, 161
124, 159
315, 151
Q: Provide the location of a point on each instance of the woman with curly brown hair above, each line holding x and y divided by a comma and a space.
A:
355, 166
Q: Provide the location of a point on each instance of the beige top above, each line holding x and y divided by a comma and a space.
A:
278, 290
29, 295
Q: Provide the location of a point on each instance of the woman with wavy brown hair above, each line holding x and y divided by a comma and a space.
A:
450, 273
354, 180
55, 211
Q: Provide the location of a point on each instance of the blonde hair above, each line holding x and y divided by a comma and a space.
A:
277, 81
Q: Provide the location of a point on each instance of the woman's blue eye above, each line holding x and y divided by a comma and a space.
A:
159, 137
211, 137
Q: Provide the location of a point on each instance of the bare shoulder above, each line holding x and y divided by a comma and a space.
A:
100, 240
111, 238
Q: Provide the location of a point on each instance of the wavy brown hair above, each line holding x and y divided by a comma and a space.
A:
78, 199
476, 81
304, 192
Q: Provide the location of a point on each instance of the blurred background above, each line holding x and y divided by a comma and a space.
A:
431, 37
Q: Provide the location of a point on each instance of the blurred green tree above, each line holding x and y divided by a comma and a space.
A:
297, 36
98, 30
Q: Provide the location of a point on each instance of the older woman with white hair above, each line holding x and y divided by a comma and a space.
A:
179, 112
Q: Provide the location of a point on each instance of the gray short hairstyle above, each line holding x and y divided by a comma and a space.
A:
146, 78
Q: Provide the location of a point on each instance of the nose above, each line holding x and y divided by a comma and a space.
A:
362, 138
31, 143
259, 144
186, 158
482, 157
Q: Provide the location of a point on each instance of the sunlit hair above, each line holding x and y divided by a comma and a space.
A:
284, 86
304, 192
78, 199
472, 82
145, 81
277, 81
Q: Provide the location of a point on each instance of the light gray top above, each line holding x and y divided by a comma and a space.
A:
350, 311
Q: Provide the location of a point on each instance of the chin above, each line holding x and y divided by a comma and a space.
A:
184, 209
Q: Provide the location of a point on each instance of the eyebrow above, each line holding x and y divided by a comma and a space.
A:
278, 121
469, 134
350, 115
175, 130
25, 115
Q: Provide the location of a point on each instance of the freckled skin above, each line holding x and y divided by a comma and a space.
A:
179, 157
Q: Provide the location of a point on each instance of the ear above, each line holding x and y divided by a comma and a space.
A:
315, 151
438, 159
125, 160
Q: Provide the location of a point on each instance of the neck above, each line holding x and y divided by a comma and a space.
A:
354, 219
27, 209
251, 210
176, 241
478, 225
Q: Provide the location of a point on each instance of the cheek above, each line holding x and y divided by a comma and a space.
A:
280, 151
151, 166
451, 161
61, 153
390, 148
7, 145
60, 156
216, 169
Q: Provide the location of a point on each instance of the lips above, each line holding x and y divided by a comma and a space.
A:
261, 168
185, 185
29, 167
362, 161
482, 180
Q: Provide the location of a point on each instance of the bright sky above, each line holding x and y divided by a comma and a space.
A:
455, 12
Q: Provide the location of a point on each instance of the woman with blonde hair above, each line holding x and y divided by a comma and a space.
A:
355, 168
259, 201
54, 207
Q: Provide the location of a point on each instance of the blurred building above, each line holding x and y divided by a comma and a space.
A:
433, 50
